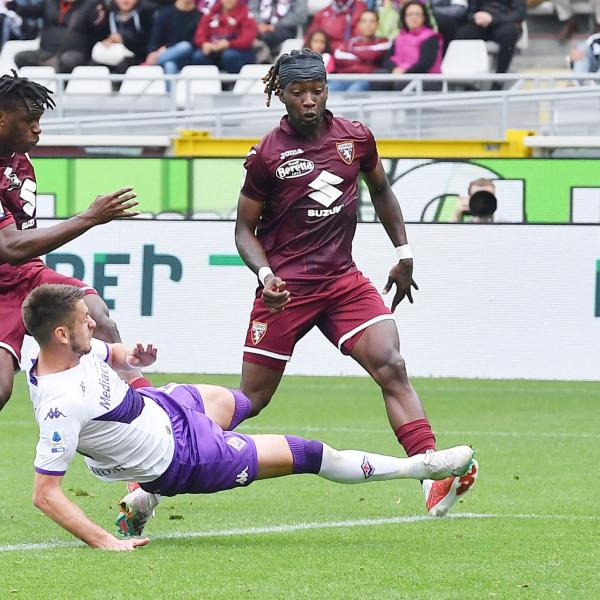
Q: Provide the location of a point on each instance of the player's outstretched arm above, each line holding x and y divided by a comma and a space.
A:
18, 246
50, 499
388, 210
275, 296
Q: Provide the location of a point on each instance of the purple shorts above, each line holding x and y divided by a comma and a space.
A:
207, 459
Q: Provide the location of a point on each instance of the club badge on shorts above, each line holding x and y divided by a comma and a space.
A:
346, 151
258, 331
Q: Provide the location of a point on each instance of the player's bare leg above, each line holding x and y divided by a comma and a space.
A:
378, 352
259, 383
219, 404
7, 371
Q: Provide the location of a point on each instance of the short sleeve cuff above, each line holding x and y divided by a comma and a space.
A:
6, 220
44, 472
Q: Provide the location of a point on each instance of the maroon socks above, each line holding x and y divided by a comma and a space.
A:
416, 437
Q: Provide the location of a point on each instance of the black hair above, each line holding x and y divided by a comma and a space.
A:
429, 21
271, 79
15, 90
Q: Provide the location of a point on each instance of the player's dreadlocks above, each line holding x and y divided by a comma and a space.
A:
303, 65
15, 89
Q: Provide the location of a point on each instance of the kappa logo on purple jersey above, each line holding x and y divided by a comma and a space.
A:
346, 151
258, 331
54, 414
367, 468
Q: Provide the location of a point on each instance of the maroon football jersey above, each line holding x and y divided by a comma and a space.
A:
17, 192
310, 193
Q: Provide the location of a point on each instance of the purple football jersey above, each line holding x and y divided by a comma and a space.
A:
310, 193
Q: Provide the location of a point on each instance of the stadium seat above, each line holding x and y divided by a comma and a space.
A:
251, 87
142, 80
41, 75
291, 44
89, 80
12, 47
466, 57
196, 80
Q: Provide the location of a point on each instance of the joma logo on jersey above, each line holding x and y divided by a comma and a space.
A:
297, 167
288, 153
258, 331
324, 212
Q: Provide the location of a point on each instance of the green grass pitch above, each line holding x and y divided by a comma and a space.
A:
534, 533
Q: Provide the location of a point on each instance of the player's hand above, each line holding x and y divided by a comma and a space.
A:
112, 206
142, 357
401, 275
274, 294
124, 545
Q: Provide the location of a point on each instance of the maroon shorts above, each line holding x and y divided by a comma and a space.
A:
342, 310
15, 284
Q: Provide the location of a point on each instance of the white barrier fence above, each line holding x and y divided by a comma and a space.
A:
497, 301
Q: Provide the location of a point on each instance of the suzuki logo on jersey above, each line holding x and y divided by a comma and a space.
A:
289, 153
325, 193
324, 212
54, 414
13, 181
258, 331
297, 167
346, 151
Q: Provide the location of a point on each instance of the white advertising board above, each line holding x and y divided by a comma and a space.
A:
495, 301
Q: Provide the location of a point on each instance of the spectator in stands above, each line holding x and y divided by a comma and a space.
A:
69, 31
418, 47
225, 37
364, 53
479, 204
389, 19
170, 44
10, 24
498, 21
318, 41
449, 16
125, 32
339, 21
278, 20
566, 15
585, 58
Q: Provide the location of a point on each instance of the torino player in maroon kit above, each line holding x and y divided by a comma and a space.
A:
22, 103
297, 215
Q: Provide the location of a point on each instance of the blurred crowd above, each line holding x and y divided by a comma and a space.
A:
354, 36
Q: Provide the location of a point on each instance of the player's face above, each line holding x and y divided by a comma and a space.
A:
305, 102
81, 330
20, 129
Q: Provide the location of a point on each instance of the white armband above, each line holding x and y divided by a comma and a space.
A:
262, 274
404, 252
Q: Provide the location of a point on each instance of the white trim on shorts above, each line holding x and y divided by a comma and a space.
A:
267, 353
12, 351
366, 324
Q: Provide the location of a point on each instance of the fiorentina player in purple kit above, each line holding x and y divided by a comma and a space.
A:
22, 103
297, 215
172, 439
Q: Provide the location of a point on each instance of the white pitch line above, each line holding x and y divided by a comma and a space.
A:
308, 428
293, 527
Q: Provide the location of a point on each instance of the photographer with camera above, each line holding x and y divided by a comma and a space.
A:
480, 204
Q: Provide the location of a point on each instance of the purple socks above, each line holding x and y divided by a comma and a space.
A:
307, 454
242, 410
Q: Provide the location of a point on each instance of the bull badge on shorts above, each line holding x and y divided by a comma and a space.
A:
346, 151
258, 331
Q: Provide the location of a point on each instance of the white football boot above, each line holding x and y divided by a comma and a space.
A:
440, 496
451, 462
136, 508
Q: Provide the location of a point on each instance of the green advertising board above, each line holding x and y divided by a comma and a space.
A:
540, 190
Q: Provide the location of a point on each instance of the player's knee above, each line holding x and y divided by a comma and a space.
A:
393, 371
258, 401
